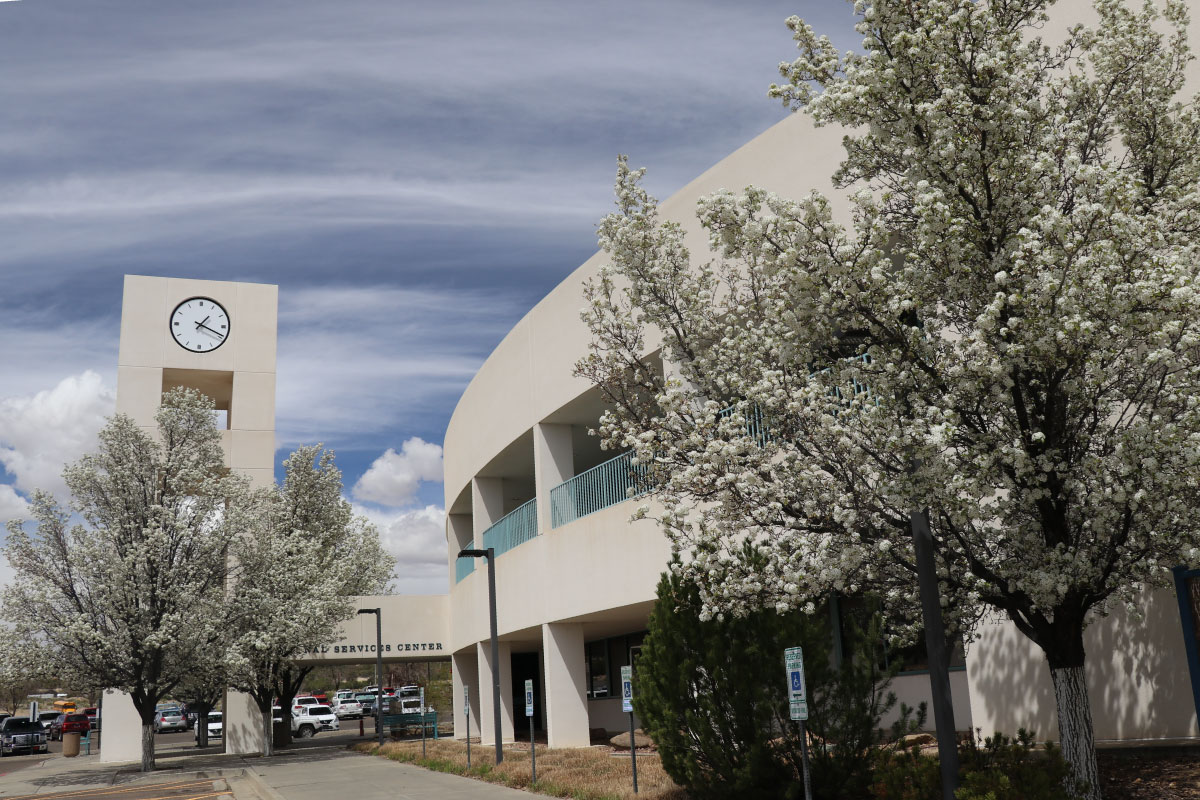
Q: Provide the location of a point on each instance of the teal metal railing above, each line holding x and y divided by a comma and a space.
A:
602, 486
514, 528
462, 568
756, 422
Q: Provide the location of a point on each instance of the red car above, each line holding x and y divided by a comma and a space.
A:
93, 715
69, 723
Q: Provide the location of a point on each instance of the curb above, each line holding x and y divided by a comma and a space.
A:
260, 786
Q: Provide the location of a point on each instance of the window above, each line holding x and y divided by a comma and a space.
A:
597, 663
605, 657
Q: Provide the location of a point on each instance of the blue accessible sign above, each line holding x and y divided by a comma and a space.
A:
529, 698
627, 689
793, 662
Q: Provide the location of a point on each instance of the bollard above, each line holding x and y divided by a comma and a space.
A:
361, 732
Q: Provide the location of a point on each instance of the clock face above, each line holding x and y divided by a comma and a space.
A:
199, 325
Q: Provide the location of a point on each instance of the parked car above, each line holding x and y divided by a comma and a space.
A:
302, 701
93, 715
367, 701
216, 725
169, 719
47, 718
69, 723
19, 734
311, 719
347, 708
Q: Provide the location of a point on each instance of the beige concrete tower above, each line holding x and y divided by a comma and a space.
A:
217, 337
235, 367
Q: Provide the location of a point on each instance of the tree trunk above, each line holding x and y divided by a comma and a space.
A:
202, 729
147, 747
1075, 726
268, 724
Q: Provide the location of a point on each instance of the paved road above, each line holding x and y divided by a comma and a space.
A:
317, 769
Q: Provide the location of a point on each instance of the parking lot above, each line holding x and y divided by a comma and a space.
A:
172, 744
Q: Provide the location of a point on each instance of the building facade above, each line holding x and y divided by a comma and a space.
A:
575, 579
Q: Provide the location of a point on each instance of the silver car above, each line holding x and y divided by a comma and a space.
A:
169, 719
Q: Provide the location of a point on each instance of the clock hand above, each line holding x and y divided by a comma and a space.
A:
210, 330
200, 324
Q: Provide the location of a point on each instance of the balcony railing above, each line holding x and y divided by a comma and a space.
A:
601, 486
462, 568
514, 528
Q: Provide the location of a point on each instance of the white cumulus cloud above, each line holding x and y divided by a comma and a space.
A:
417, 539
41, 433
393, 478
12, 505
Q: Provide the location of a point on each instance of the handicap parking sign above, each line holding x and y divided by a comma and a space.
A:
627, 689
797, 681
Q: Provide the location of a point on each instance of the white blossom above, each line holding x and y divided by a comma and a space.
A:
1006, 333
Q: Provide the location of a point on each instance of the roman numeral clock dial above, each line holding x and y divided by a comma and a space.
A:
199, 325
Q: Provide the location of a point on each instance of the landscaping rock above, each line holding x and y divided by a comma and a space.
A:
621, 740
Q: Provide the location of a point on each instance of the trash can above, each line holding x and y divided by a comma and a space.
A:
70, 744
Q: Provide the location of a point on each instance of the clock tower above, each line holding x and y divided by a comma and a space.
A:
214, 336
217, 337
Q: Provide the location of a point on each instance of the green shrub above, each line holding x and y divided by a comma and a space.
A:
712, 695
999, 768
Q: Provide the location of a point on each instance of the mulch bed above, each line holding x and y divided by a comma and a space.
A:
1150, 773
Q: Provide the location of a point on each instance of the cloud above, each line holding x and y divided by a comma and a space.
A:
12, 505
39, 434
394, 478
355, 363
417, 539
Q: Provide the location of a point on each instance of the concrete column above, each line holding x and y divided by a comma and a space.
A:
565, 686
121, 728
553, 463
243, 724
487, 722
487, 505
464, 671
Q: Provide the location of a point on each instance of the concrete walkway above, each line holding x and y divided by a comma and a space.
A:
309, 773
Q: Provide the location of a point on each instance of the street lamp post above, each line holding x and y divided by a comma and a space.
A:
378, 670
490, 555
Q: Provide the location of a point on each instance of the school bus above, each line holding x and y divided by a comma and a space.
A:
64, 706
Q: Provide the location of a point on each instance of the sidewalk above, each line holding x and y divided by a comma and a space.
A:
310, 773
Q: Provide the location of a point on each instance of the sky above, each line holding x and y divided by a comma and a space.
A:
413, 176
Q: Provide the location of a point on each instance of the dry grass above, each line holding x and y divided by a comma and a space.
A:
592, 773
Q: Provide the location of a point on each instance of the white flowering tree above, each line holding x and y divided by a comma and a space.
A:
1007, 333
303, 559
133, 597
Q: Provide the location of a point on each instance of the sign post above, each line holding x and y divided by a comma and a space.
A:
793, 664
467, 714
422, 721
627, 707
532, 743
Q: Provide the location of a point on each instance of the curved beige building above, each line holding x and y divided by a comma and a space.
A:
576, 579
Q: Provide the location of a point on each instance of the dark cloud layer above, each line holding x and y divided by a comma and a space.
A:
452, 159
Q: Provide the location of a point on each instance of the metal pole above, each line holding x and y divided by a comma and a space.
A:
491, 562
935, 644
532, 751
422, 723
804, 762
467, 700
633, 752
379, 674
